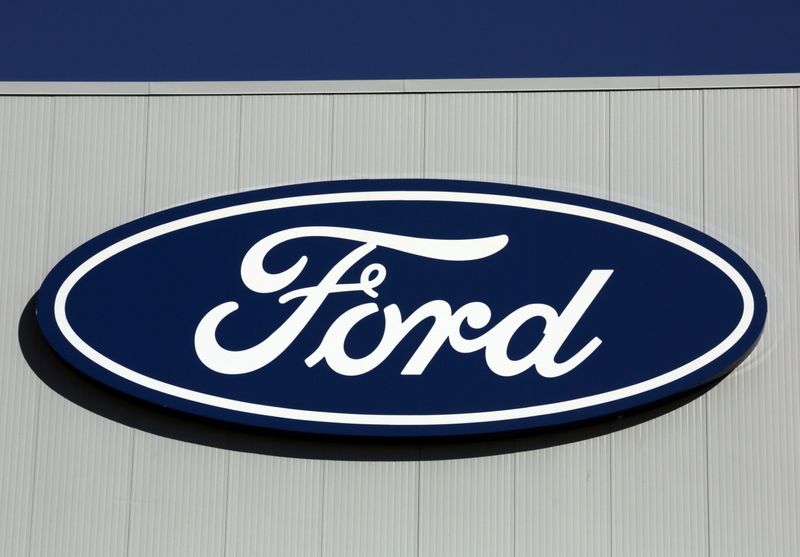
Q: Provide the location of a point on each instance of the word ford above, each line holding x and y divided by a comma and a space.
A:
447, 324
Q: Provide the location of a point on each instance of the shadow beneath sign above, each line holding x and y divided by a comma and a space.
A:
96, 398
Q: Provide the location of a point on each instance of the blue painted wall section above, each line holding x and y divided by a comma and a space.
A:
97, 40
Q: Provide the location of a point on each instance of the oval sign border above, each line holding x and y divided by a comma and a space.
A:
717, 362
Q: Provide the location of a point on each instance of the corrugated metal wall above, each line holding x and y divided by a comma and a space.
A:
719, 476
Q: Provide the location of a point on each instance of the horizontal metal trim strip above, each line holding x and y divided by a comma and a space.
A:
398, 85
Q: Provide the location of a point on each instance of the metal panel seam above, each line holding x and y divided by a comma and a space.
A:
705, 398
227, 502
610, 445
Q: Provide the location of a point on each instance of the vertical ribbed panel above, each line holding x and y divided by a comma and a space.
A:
466, 507
659, 497
80, 504
370, 508
562, 501
26, 131
563, 142
659, 467
98, 167
179, 490
563, 145
470, 136
274, 506
378, 136
82, 484
178, 504
285, 139
751, 149
657, 152
192, 149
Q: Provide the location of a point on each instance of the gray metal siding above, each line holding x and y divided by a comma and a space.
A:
26, 135
563, 142
179, 490
751, 176
274, 506
563, 145
659, 467
378, 136
470, 137
563, 500
716, 477
97, 166
285, 140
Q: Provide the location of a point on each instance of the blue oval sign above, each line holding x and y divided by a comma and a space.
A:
403, 307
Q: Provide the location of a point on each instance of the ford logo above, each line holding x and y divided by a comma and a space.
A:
403, 308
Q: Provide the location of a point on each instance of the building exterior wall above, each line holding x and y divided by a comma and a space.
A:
715, 477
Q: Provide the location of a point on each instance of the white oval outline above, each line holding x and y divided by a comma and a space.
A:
403, 419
